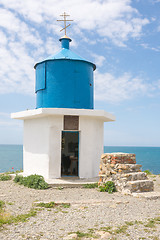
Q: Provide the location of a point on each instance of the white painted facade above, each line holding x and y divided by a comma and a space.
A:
42, 140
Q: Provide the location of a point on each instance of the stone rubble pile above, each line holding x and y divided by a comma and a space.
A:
121, 168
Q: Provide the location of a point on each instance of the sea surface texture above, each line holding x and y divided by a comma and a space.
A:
148, 157
11, 157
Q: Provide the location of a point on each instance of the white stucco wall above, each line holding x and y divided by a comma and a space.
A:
36, 147
42, 140
56, 126
91, 146
42, 146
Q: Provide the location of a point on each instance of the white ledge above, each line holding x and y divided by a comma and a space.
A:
43, 112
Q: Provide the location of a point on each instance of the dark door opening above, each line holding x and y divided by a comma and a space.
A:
69, 153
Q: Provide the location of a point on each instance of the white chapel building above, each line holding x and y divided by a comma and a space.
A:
63, 135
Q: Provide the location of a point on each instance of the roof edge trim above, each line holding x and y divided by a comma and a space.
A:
61, 59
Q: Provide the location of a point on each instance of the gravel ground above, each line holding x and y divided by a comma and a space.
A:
94, 214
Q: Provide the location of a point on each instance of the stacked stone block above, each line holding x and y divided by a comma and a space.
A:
121, 168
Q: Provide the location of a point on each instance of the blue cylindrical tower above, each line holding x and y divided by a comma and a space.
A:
65, 80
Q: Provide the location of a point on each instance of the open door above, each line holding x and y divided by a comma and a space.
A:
69, 153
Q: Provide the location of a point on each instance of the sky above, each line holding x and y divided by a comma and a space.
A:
122, 37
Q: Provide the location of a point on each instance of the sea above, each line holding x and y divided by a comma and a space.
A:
11, 157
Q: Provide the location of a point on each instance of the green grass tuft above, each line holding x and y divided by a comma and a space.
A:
2, 204
106, 229
5, 177
6, 218
138, 222
10, 203
46, 205
24, 217
90, 185
148, 172
150, 225
121, 229
52, 205
66, 205
129, 223
14, 172
82, 235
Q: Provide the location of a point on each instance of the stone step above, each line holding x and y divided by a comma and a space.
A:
134, 176
147, 195
139, 186
127, 168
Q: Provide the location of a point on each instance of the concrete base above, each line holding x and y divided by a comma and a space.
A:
71, 182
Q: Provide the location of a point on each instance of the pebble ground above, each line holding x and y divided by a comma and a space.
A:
91, 215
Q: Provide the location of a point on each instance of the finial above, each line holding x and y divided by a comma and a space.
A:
65, 20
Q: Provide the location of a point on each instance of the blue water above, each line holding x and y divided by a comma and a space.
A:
11, 157
148, 157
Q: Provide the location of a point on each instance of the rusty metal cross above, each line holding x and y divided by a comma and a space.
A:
64, 20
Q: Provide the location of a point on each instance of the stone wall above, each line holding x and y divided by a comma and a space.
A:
121, 168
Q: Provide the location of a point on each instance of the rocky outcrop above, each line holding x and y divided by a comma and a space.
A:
121, 168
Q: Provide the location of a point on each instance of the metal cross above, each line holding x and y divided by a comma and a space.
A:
65, 20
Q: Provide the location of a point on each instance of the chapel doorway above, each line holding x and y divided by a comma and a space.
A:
69, 153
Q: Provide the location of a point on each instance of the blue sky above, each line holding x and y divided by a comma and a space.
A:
122, 37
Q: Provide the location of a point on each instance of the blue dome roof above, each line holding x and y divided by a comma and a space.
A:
65, 80
65, 53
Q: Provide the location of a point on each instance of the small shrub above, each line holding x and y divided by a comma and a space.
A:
18, 179
148, 172
33, 181
108, 187
90, 185
5, 177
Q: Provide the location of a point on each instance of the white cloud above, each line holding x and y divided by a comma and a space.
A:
117, 89
28, 29
3, 39
106, 17
100, 60
51, 47
158, 84
158, 29
146, 46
